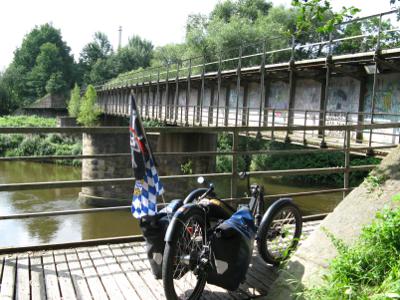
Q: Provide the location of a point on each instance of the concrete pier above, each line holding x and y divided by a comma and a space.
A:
120, 167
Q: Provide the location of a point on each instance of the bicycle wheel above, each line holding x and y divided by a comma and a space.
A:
279, 232
183, 270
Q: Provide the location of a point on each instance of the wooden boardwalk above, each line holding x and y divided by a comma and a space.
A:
113, 271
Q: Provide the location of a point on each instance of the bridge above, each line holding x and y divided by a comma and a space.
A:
316, 83
197, 106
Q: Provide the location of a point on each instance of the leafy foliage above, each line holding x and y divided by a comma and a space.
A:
26, 121
38, 145
262, 162
94, 54
368, 270
43, 63
74, 104
26, 145
89, 112
312, 12
99, 62
5, 97
99, 48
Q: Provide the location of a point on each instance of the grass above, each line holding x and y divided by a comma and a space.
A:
368, 270
374, 181
26, 121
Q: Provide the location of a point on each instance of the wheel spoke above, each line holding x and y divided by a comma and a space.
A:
281, 233
189, 247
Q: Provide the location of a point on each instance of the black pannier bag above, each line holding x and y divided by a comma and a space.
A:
232, 246
154, 229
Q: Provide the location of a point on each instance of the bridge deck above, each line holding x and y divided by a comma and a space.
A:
113, 271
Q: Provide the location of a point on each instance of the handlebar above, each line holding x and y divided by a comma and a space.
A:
208, 192
194, 194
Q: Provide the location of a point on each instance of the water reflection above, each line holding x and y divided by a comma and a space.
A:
34, 231
106, 224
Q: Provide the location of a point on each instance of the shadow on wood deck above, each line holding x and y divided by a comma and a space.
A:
113, 271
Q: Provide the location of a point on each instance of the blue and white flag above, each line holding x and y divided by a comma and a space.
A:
147, 184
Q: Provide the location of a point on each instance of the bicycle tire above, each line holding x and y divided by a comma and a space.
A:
269, 230
173, 288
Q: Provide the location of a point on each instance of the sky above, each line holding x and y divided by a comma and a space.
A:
159, 21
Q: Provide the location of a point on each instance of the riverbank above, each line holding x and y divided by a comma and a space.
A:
38, 144
56, 144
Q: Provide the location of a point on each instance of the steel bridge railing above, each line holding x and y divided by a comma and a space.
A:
167, 80
222, 116
235, 152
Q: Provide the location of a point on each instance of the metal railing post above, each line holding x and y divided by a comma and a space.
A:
292, 90
328, 64
238, 73
166, 112
235, 147
203, 72
176, 101
194, 115
188, 92
262, 84
305, 124
346, 175
218, 87
273, 124
159, 98
152, 104
266, 113
373, 97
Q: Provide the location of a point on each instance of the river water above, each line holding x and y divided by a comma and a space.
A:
41, 230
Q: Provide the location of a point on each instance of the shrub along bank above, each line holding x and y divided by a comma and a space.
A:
289, 161
37, 144
43, 144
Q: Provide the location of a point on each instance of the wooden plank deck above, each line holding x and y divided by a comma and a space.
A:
112, 271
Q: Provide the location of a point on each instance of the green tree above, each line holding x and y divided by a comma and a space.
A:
42, 53
138, 53
5, 99
169, 54
246, 9
229, 25
99, 49
56, 84
102, 70
89, 112
48, 65
318, 14
74, 102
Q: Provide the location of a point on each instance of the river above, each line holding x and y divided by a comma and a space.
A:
58, 229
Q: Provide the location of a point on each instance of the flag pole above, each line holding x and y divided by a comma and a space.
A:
147, 142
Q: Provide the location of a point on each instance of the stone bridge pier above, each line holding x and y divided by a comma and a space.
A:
120, 167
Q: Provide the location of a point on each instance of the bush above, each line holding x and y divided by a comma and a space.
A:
9, 141
262, 162
37, 144
89, 112
368, 270
74, 102
152, 123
